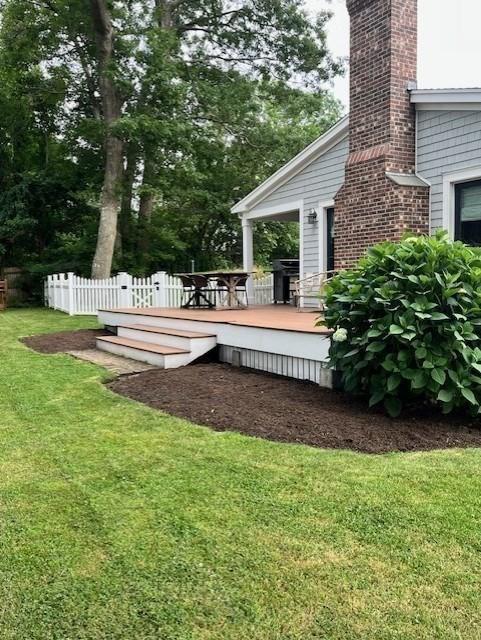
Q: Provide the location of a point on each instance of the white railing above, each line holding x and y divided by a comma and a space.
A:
310, 289
83, 296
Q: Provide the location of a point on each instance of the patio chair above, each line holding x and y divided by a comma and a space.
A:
188, 288
241, 287
195, 291
220, 291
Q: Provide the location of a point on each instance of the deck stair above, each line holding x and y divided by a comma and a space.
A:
163, 347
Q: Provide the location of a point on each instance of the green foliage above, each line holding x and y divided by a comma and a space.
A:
412, 311
209, 111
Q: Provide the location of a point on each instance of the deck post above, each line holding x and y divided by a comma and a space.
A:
248, 254
125, 289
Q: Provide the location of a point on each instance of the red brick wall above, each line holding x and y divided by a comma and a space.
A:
370, 207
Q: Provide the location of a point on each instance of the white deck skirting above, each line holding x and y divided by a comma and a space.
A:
281, 365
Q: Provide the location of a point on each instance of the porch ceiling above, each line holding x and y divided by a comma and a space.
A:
289, 216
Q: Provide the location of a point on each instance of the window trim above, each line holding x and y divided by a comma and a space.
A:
449, 196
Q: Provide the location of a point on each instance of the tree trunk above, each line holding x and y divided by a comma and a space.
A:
111, 110
146, 207
125, 241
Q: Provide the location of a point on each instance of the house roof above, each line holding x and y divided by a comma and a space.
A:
424, 99
334, 135
447, 99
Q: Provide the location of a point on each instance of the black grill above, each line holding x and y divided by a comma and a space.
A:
286, 272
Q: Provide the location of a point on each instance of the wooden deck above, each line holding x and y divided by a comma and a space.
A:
280, 317
274, 338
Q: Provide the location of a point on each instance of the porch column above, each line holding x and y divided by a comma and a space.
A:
248, 254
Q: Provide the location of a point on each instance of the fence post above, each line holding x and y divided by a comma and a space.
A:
125, 289
70, 295
48, 296
159, 280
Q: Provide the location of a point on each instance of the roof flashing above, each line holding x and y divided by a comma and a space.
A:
407, 179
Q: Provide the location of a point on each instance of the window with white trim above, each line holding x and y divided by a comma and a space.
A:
467, 212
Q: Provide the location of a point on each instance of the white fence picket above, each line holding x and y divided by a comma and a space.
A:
82, 296
263, 289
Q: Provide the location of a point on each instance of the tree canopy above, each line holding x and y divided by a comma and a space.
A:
152, 118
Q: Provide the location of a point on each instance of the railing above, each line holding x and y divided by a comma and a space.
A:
311, 288
83, 296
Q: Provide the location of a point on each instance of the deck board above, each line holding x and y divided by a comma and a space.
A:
281, 317
192, 335
142, 346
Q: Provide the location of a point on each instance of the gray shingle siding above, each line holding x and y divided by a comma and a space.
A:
318, 182
448, 141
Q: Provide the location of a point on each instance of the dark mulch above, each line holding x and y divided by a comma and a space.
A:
230, 399
64, 341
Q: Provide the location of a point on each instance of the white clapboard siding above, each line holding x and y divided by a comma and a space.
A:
83, 296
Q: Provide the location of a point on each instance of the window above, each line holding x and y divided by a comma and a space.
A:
330, 238
468, 212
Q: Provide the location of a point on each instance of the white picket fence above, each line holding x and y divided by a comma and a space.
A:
82, 296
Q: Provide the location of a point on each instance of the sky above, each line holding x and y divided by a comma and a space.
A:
449, 42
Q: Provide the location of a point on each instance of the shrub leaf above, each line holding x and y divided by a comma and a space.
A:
445, 395
469, 395
395, 329
438, 375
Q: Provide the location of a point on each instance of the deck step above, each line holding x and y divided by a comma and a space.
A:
142, 346
191, 335
160, 355
192, 341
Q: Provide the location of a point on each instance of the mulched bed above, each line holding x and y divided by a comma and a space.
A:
226, 398
64, 341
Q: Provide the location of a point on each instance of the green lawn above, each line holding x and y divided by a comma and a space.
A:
117, 521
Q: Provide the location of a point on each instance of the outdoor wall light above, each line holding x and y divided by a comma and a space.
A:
312, 216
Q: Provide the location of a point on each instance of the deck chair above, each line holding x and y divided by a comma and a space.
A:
188, 289
241, 288
195, 291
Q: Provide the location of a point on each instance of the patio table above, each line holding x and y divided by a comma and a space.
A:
231, 280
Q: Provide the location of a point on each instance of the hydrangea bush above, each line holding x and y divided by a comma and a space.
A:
407, 324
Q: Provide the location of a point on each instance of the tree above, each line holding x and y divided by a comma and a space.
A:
222, 167
169, 111
186, 52
111, 109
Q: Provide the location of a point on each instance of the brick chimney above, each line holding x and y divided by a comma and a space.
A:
381, 198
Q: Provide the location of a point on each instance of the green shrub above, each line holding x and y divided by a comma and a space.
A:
411, 312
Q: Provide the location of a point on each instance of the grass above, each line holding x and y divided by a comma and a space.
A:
119, 522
